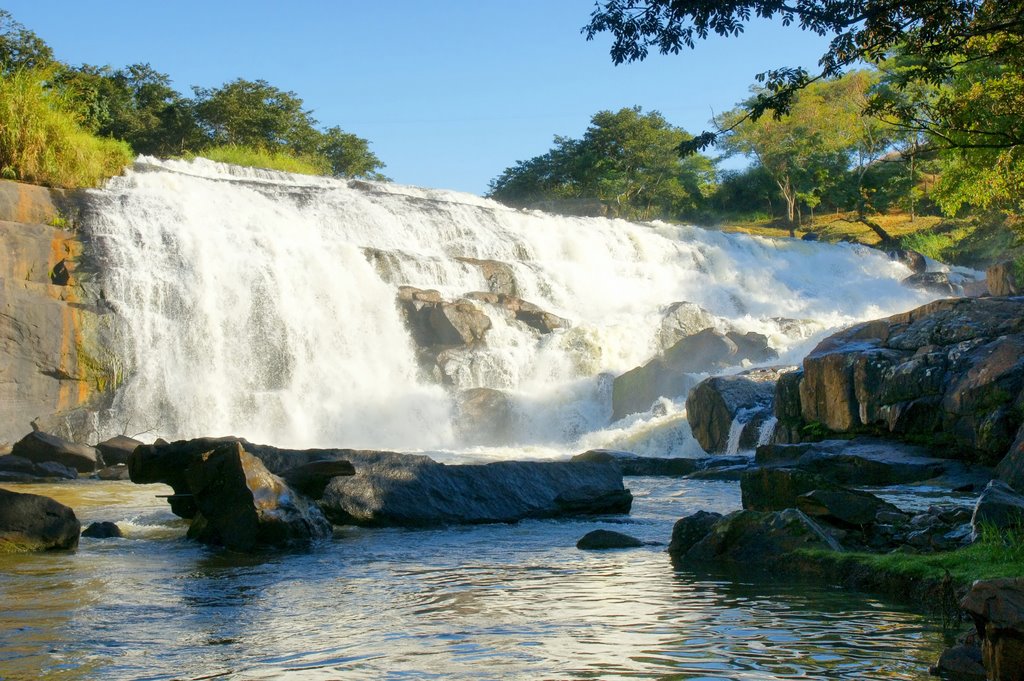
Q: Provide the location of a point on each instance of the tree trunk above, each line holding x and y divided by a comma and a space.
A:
789, 196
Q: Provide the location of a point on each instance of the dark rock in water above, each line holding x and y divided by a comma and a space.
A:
844, 507
39, 447
690, 530
715, 403
776, 489
950, 372
632, 465
1011, 469
912, 259
103, 530
960, 662
786, 404
997, 608
861, 461
756, 539
1002, 279
606, 539
19, 469
117, 449
810, 236
243, 506
936, 282
999, 507
669, 374
29, 522
407, 490
115, 472
484, 416
311, 478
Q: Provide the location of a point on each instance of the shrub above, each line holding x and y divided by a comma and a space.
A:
259, 157
41, 141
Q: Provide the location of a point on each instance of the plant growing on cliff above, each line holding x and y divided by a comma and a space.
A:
41, 140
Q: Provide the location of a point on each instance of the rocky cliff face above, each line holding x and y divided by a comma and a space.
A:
55, 365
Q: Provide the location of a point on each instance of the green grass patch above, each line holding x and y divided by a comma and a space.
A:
996, 554
41, 141
258, 157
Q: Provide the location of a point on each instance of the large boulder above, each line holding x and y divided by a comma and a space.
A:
1003, 280
243, 506
997, 608
19, 469
950, 373
29, 522
434, 322
117, 449
755, 539
681, 320
789, 427
689, 530
41, 447
998, 507
1011, 469
484, 416
776, 489
599, 540
521, 310
717, 404
670, 374
844, 507
632, 465
500, 276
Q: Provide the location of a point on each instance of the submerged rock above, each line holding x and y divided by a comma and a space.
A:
599, 540
30, 522
103, 530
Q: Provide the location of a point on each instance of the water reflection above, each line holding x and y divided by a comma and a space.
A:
501, 602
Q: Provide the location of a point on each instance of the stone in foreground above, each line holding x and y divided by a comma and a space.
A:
599, 540
997, 608
753, 538
29, 522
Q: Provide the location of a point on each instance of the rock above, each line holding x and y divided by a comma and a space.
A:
912, 259
690, 530
606, 539
632, 465
522, 311
1002, 279
950, 372
435, 322
311, 478
500, 276
103, 530
484, 416
19, 469
391, 489
810, 236
243, 506
758, 539
115, 472
669, 374
681, 320
1011, 469
29, 522
936, 282
39, 447
861, 461
843, 507
997, 608
117, 449
960, 662
998, 507
715, 403
786, 405
775, 489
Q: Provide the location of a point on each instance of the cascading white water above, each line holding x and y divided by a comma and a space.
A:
258, 305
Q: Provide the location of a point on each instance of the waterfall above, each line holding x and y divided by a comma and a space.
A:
767, 430
735, 433
263, 304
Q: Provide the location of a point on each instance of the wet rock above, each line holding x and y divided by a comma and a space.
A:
500, 276
19, 469
775, 489
936, 282
843, 507
103, 530
484, 416
1002, 279
117, 449
632, 465
41, 447
598, 540
116, 472
755, 539
312, 478
997, 608
999, 506
960, 662
912, 259
29, 522
523, 311
670, 374
243, 506
433, 321
715, 403
689, 530
950, 372
786, 405
861, 461
681, 320
1011, 469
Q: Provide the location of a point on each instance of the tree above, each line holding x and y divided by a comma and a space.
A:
349, 155
19, 47
625, 159
866, 30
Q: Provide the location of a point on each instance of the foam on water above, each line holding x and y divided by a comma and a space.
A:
263, 304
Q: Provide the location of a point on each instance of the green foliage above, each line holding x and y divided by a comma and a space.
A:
41, 141
20, 48
627, 160
259, 157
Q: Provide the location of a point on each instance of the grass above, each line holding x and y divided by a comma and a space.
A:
257, 157
41, 141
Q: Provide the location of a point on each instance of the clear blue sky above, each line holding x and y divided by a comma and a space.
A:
449, 92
